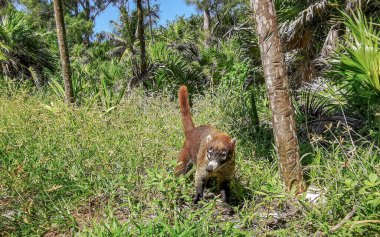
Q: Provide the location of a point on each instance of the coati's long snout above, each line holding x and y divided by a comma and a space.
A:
212, 166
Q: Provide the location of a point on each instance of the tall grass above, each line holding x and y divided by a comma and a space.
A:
85, 172
101, 84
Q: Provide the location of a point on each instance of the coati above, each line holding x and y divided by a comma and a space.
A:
210, 150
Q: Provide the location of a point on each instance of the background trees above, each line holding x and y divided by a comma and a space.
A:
204, 5
89, 9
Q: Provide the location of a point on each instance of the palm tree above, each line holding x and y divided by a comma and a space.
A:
141, 37
284, 125
23, 52
150, 22
64, 52
205, 6
139, 75
124, 39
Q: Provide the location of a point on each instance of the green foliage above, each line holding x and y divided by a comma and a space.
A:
40, 12
354, 183
181, 31
173, 69
76, 27
357, 67
22, 50
219, 60
10, 87
97, 83
124, 38
186, 63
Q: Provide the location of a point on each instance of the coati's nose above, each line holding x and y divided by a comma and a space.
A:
209, 168
212, 165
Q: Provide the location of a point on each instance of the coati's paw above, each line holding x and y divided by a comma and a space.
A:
228, 210
197, 198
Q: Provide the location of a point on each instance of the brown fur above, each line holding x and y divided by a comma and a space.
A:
202, 145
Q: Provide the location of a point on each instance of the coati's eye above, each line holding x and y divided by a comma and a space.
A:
224, 155
209, 153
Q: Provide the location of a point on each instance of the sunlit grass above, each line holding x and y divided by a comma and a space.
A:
86, 172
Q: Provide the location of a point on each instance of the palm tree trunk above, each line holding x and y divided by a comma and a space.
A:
206, 26
64, 52
150, 22
87, 14
140, 17
284, 125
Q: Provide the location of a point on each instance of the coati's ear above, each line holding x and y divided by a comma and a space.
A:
233, 140
208, 138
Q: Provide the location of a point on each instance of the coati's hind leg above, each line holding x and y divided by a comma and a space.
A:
184, 163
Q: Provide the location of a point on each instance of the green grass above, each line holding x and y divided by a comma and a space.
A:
89, 173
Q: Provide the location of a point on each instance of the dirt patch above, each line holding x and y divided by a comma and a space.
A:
90, 211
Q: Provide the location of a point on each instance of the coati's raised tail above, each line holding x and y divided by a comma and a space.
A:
184, 106
212, 152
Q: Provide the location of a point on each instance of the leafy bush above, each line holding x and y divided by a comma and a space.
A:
197, 67
173, 69
97, 80
23, 53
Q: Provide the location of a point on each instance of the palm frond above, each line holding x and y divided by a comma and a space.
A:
188, 50
117, 51
296, 33
116, 39
358, 65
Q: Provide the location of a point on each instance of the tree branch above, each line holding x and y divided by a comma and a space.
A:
82, 4
100, 10
238, 28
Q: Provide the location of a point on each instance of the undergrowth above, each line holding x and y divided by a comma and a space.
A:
87, 172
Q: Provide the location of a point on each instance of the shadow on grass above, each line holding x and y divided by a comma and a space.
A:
260, 141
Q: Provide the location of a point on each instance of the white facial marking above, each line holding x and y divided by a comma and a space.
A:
208, 138
213, 164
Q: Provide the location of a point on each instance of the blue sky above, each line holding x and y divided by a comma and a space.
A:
169, 10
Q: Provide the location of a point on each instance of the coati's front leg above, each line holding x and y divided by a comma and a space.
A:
200, 182
224, 188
